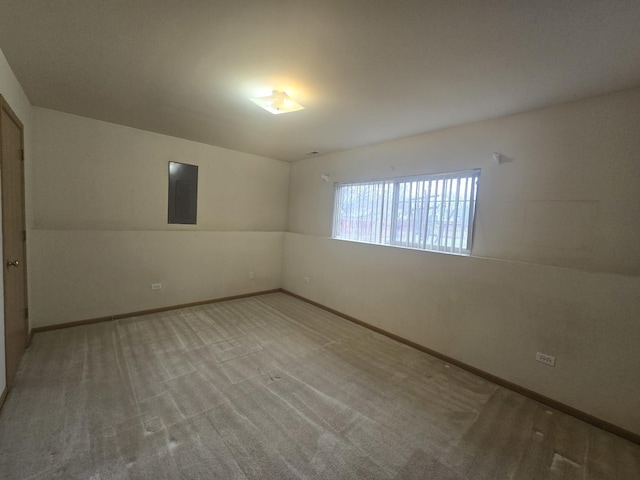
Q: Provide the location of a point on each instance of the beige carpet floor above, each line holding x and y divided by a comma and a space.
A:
270, 387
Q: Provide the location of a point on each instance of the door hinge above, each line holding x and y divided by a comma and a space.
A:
26, 313
22, 154
24, 235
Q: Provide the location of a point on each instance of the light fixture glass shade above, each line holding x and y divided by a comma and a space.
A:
277, 103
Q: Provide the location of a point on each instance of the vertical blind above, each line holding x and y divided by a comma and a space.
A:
428, 212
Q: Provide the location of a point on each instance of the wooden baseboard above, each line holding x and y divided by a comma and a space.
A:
3, 397
597, 422
138, 313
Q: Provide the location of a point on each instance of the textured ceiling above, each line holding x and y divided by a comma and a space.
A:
367, 71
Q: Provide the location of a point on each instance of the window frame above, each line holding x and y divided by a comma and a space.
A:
442, 181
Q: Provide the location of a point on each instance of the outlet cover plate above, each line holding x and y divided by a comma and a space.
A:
546, 359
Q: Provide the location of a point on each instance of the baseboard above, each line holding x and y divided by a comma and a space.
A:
138, 313
597, 422
3, 397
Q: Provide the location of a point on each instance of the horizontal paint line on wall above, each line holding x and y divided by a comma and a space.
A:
169, 229
633, 273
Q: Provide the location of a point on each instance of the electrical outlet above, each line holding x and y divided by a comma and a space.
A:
156, 286
306, 279
250, 274
546, 359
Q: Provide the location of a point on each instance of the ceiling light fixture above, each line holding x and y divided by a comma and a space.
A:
277, 103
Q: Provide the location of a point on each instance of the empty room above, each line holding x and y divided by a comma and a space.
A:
320, 240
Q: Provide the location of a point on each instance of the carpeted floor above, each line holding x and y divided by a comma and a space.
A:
270, 387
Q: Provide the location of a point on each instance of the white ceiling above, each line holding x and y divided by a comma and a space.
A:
366, 70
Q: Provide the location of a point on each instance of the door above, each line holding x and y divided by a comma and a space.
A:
13, 239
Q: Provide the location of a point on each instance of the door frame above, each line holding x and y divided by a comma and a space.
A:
7, 109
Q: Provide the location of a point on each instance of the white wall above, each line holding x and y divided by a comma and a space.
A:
556, 265
100, 236
12, 92
567, 196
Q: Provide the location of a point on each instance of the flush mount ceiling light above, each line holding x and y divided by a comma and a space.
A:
277, 103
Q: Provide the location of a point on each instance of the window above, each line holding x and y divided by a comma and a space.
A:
428, 212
